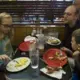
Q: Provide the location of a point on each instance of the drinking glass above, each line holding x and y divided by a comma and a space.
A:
40, 44
53, 34
34, 56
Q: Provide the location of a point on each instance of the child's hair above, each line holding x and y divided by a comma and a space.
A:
76, 34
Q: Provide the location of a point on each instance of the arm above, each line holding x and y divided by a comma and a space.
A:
68, 51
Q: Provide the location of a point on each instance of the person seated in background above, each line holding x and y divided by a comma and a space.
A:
74, 57
72, 23
6, 35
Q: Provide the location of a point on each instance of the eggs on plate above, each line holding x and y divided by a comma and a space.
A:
21, 62
18, 64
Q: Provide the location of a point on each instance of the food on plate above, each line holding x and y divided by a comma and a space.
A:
21, 62
53, 41
62, 58
58, 56
51, 69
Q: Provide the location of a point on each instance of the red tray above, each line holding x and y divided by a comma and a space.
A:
54, 63
24, 46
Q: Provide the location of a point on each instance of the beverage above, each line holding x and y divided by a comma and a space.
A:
34, 56
40, 44
41, 48
34, 62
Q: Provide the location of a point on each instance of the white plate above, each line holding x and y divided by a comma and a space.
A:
29, 38
51, 39
55, 74
18, 64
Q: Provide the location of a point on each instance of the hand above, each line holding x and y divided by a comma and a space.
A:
66, 49
4, 57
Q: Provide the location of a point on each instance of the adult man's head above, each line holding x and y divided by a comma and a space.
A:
71, 14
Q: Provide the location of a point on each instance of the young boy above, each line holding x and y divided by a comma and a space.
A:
74, 57
76, 46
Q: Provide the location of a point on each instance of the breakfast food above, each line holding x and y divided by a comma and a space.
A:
53, 40
21, 62
18, 64
58, 56
52, 69
62, 58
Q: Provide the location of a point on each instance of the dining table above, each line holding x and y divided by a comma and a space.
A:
36, 74
28, 74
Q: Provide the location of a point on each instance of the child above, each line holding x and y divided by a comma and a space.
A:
74, 59
76, 41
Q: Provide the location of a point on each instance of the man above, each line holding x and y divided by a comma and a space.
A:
72, 23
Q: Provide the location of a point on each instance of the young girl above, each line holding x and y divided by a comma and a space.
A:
6, 34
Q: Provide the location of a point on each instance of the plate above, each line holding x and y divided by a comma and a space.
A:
18, 64
24, 46
53, 41
54, 62
55, 74
29, 38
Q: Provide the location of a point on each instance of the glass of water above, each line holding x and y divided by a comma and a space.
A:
34, 56
40, 44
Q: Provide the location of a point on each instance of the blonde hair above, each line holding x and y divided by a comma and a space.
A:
4, 15
8, 16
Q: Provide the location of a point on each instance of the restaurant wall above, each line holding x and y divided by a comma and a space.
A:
21, 31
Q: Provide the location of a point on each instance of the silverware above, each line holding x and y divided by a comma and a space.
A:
16, 61
14, 52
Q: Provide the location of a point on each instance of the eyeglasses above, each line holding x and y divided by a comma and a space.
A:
67, 13
6, 25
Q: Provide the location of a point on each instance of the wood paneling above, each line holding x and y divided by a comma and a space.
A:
21, 31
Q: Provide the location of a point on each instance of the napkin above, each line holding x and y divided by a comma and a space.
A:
55, 74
